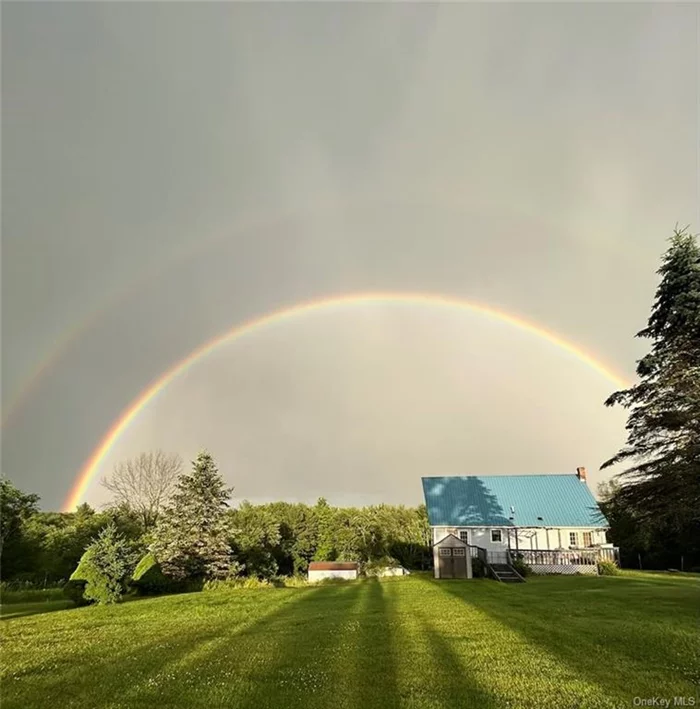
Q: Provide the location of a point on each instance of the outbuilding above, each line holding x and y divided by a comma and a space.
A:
319, 570
451, 558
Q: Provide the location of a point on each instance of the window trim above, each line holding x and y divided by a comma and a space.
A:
499, 532
573, 539
464, 538
589, 537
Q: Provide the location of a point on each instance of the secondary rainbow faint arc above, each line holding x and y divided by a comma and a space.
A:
91, 466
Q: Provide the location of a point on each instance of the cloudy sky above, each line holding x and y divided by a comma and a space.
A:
171, 170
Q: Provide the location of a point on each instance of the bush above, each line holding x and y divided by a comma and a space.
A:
101, 573
254, 582
376, 566
148, 578
607, 568
520, 566
478, 568
74, 588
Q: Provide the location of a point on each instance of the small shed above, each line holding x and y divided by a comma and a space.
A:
319, 570
451, 558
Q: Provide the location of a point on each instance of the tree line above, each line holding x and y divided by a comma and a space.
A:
194, 534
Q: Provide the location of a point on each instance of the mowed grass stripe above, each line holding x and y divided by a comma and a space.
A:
628, 631
101, 654
413, 642
496, 657
430, 674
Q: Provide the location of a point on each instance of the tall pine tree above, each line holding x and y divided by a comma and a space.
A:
663, 428
192, 539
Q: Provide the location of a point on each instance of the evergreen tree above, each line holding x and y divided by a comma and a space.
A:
104, 567
192, 536
663, 442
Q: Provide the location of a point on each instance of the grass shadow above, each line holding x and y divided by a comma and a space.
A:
453, 686
603, 634
105, 669
299, 655
20, 610
375, 660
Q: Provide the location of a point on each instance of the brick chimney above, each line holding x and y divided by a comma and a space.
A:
581, 474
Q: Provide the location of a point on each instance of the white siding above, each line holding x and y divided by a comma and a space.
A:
530, 538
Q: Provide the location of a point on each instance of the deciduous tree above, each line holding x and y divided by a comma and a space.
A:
145, 483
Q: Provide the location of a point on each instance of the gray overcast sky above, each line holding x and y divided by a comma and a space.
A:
172, 169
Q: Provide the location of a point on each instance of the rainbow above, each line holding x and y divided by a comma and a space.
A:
93, 463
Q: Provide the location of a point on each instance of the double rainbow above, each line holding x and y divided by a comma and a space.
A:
93, 463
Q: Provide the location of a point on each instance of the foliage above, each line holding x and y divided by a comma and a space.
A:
54, 542
375, 567
520, 566
478, 568
16, 508
607, 568
148, 578
255, 539
144, 484
103, 569
24, 593
662, 486
74, 588
370, 644
192, 539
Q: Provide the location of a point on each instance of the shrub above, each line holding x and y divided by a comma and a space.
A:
520, 566
376, 566
148, 578
101, 573
236, 583
254, 582
74, 588
607, 568
478, 568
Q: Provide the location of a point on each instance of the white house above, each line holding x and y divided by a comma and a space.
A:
551, 521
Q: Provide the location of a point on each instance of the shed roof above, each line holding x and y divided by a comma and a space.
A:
486, 500
333, 566
450, 541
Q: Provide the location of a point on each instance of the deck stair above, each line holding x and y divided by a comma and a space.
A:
506, 573
497, 564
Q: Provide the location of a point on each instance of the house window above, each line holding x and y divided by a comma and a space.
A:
587, 539
573, 539
496, 535
464, 536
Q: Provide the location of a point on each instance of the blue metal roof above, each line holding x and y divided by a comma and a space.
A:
486, 500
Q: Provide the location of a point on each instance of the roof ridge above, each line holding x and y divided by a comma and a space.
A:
502, 475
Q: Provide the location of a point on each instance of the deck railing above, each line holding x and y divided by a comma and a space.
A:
559, 557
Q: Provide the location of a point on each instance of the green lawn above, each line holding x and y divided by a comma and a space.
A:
406, 642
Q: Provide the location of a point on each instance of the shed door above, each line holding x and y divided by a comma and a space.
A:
459, 562
445, 556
